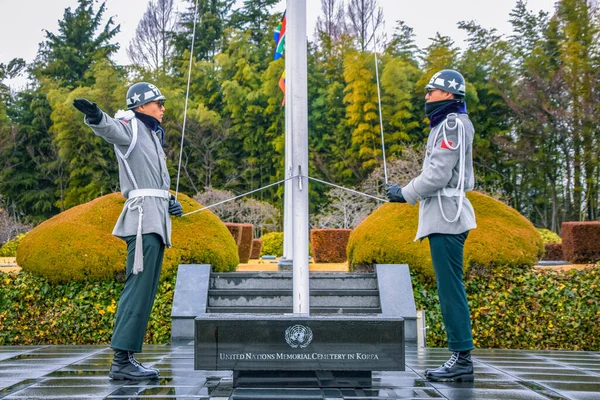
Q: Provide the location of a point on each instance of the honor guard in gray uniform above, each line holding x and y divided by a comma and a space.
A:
445, 214
144, 223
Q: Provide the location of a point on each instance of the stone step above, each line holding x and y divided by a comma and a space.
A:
289, 292
283, 280
270, 300
288, 310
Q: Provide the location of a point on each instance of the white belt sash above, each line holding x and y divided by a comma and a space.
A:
138, 259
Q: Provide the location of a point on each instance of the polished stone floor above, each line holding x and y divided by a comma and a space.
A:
80, 372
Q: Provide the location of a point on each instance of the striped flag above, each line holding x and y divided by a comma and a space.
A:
279, 37
282, 86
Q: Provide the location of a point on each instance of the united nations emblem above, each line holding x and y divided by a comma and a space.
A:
298, 336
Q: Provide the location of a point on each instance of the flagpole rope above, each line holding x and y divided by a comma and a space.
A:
241, 195
187, 96
379, 97
347, 190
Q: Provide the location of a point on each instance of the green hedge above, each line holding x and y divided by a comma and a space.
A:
9, 249
272, 244
549, 237
523, 308
520, 309
35, 311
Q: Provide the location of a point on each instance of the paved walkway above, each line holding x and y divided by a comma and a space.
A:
80, 372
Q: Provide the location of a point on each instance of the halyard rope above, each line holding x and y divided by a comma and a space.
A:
187, 96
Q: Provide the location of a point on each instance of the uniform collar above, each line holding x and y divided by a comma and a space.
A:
152, 124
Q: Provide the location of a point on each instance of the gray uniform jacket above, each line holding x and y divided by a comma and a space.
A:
148, 165
441, 170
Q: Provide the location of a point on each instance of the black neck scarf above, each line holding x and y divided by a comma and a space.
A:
437, 111
152, 124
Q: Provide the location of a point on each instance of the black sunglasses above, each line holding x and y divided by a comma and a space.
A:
160, 103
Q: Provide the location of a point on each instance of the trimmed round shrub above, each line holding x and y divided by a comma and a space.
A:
272, 244
549, 237
78, 244
503, 238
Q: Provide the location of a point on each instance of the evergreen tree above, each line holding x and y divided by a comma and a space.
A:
212, 19
92, 168
30, 179
254, 17
67, 56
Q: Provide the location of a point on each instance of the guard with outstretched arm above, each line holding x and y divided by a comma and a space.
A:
144, 223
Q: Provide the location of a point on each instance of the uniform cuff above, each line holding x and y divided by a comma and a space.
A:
410, 194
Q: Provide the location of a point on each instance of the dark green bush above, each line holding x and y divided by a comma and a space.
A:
523, 308
519, 309
35, 311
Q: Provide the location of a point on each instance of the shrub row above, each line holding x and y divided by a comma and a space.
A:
520, 308
35, 311
524, 308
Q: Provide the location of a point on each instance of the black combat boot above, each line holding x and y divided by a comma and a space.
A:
458, 368
125, 366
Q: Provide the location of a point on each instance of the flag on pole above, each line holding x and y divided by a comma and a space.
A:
279, 37
282, 86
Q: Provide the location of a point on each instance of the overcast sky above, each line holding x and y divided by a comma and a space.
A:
22, 21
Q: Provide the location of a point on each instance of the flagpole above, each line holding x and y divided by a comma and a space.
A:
297, 103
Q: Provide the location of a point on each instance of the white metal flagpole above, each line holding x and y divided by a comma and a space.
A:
288, 222
297, 102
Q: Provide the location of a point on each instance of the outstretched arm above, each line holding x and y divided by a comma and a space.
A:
112, 130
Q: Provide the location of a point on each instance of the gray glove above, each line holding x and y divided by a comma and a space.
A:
91, 110
394, 193
175, 207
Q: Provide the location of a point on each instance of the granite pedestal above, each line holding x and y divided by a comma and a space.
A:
310, 351
358, 323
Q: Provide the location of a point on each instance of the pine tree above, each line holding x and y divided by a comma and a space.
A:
254, 17
65, 57
92, 168
212, 19
30, 180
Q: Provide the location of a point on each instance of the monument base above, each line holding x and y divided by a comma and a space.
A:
301, 379
314, 349
285, 264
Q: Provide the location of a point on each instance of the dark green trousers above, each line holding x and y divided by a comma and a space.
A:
138, 294
447, 257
